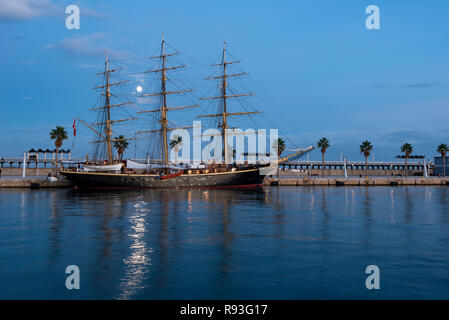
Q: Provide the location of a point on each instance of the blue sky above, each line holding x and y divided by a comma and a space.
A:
315, 60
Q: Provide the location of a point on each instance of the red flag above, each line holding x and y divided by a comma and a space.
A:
74, 127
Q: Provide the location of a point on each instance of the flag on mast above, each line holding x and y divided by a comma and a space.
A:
74, 127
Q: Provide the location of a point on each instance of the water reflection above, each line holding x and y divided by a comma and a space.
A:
278, 206
392, 204
444, 205
409, 206
137, 266
367, 212
222, 215
173, 243
55, 225
159, 234
326, 215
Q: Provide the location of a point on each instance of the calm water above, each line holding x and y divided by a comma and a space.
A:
277, 243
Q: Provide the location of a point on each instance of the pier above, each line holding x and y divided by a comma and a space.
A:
356, 181
304, 165
34, 167
30, 163
292, 173
36, 172
355, 168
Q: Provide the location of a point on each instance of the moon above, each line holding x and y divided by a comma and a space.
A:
139, 89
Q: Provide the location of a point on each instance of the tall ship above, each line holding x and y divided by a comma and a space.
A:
104, 171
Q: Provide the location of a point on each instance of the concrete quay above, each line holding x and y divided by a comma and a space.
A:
31, 172
33, 183
356, 181
42, 182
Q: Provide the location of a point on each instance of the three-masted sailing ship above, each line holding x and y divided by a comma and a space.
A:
160, 173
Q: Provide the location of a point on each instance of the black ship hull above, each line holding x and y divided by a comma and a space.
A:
96, 180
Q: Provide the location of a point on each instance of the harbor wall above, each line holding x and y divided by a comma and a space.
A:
42, 182
30, 172
356, 181
33, 182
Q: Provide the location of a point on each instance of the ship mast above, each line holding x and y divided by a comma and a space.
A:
163, 93
224, 97
163, 120
224, 125
107, 109
108, 113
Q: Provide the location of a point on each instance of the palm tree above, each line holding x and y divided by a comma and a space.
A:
323, 144
365, 148
175, 143
59, 135
279, 144
407, 149
121, 145
443, 149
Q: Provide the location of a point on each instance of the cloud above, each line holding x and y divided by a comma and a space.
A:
82, 46
86, 12
416, 85
144, 100
385, 136
25, 9
386, 141
90, 46
18, 36
20, 10
382, 85
30, 61
91, 66
138, 77
422, 85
